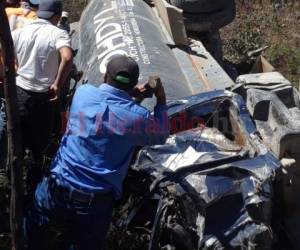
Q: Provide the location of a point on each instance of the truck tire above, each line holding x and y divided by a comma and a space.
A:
200, 6
204, 22
177, 3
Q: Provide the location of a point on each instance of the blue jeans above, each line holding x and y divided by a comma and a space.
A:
58, 222
2, 134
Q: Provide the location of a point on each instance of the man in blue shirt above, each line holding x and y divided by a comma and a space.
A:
104, 128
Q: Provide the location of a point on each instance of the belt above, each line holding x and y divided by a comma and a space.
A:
79, 195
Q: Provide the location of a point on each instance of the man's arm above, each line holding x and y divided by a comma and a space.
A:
64, 69
155, 128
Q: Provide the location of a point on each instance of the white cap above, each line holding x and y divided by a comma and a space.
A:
65, 14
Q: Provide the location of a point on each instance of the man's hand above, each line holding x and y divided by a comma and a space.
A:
54, 91
146, 90
158, 90
137, 92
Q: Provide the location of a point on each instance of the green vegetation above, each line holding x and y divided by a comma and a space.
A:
284, 55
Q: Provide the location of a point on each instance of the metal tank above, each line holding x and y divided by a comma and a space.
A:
110, 27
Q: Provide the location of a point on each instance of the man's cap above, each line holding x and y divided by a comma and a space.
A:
49, 8
65, 14
124, 70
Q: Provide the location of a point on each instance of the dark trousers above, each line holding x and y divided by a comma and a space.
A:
57, 221
213, 43
2, 135
38, 118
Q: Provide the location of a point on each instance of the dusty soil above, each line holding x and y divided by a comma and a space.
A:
265, 23
75, 8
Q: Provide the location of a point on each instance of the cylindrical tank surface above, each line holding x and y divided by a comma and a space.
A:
110, 27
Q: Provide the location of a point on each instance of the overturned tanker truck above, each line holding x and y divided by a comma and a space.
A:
227, 177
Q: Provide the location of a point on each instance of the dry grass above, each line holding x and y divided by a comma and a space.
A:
260, 23
75, 8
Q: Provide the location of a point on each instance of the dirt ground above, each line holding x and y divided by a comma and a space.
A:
75, 8
265, 23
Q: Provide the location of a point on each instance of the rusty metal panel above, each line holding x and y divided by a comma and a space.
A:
173, 20
201, 69
262, 65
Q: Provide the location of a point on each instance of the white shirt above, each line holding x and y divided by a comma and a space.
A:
37, 50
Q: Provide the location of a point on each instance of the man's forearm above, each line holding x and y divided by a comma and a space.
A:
161, 100
64, 69
63, 72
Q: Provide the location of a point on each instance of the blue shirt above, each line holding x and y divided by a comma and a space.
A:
104, 127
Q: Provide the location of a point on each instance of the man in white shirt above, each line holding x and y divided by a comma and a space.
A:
44, 58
